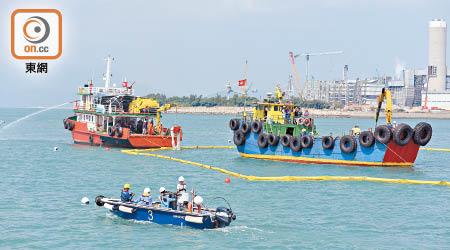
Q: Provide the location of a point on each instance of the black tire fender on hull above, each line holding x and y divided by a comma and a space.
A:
257, 127
246, 127
307, 141
348, 144
296, 143
239, 138
111, 131
263, 140
383, 134
273, 139
403, 134
366, 139
328, 142
286, 140
234, 124
119, 131
422, 133
70, 125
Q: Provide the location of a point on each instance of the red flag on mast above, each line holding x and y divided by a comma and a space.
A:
242, 82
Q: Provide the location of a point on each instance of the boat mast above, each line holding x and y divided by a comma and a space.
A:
244, 91
107, 77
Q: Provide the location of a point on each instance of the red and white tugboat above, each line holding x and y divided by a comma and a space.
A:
110, 116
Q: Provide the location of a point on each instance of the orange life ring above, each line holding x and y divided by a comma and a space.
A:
307, 122
176, 129
300, 121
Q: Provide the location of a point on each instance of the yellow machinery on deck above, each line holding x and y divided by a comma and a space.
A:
164, 108
385, 95
142, 103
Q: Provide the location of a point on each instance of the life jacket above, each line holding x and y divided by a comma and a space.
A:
181, 186
144, 199
125, 196
150, 130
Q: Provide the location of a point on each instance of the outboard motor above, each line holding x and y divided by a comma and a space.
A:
224, 216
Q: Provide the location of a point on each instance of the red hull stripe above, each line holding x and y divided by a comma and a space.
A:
307, 160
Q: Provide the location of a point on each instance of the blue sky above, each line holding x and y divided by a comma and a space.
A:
196, 47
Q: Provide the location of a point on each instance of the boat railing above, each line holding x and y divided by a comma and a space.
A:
107, 91
107, 109
98, 108
112, 109
274, 119
284, 119
247, 115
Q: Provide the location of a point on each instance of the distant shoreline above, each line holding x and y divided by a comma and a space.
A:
314, 112
236, 111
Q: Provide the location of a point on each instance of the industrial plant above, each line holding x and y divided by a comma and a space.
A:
427, 88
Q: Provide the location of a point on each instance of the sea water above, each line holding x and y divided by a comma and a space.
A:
42, 188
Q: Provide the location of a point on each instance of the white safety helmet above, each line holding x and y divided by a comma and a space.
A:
146, 190
198, 200
181, 178
162, 189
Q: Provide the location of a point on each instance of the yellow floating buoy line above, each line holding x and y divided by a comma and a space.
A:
277, 178
436, 149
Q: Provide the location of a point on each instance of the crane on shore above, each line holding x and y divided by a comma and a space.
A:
308, 55
299, 89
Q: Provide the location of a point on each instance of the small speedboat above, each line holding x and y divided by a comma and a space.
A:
165, 212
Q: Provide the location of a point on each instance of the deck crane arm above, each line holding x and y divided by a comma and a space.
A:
319, 54
163, 108
385, 95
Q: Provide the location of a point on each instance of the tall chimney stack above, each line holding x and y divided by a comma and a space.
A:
437, 54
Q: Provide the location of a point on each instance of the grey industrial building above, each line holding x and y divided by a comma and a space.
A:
428, 87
